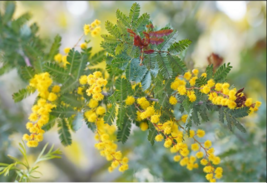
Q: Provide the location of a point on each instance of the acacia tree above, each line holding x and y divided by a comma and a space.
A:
147, 84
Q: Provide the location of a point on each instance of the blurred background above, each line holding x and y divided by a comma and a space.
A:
235, 30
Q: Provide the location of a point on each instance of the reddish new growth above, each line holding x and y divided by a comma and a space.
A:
151, 37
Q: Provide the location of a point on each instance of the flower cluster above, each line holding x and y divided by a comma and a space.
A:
104, 132
60, 59
105, 136
94, 28
218, 93
172, 132
41, 110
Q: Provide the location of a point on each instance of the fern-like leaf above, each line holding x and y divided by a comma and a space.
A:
124, 131
64, 133
22, 94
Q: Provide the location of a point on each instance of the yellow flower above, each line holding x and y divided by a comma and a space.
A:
218, 87
83, 79
93, 103
176, 158
172, 100
168, 143
52, 97
248, 102
100, 110
181, 90
58, 57
187, 75
195, 147
200, 133
199, 154
219, 170
195, 72
204, 161
204, 75
67, 50
159, 137
211, 83
144, 126
207, 143
83, 46
155, 118
129, 100
56, 89
184, 117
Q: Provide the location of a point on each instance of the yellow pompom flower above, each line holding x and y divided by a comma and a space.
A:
181, 90
195, 72
200, 133
184, 118
168, 143
211, 83
83, 80
56, 89
67, 50
92, 117
129, 100
248, 102
231, 104
204, 161
218, 87
159, 137
195, 147
26, 137
216, 160
97, 22
58, 57
219, 170
172, 100
199, 154
193, 81
187, 75
204, 75
144, 126
155, 118
207, 143
93, 103
83, 46
205, 89
52, 97
100, 110
176, 158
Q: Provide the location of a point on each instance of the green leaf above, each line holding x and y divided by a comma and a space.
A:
177, 47
64, 133
9, 11
119, 48
201, 81
77, 122
124, 130
169, 40
195, 117
123, 18
134, 13
58, 73
109, 116
164, 66
135, 72
238, 113
221, 73
112, 29
121, 115
69, 85
209, 71
50, 124
97, 58
109, 38
146, 82
54, 48
72, 100
187, 104
63, 112
123, 89
22, 94
203, 112
26, 72
229, 120
221, 115
152, 134
177, 64
142, 21
38, 64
